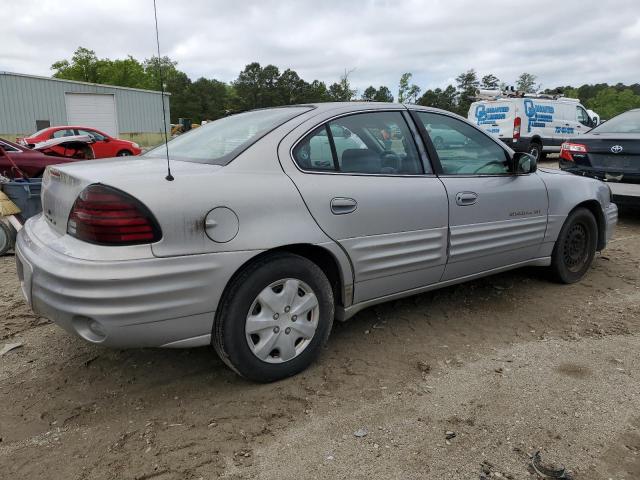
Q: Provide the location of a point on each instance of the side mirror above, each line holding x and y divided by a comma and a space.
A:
2, 152
524, 163
106, 139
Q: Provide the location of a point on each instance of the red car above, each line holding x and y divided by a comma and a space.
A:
104, 146
17, 161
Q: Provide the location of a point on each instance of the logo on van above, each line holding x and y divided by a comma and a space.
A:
490, 115
538, 115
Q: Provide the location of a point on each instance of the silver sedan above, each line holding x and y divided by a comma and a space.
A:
278, 221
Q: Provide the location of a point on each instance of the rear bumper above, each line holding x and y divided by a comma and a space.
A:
154, 302
599, 173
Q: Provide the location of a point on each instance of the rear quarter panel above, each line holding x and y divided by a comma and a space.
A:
566, 192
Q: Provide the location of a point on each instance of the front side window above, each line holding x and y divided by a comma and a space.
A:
582, 117
220, 141
98, 136
462, 149
370, 143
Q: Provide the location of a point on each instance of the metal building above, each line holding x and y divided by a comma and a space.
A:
29, 103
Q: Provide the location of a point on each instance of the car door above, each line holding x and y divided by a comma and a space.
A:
496, 218
371, 193
101, 148
583, 122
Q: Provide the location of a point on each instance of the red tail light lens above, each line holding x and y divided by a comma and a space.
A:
517, 123
568, 148
107, 216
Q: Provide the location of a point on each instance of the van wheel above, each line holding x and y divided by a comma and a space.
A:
576, 246
535, 149
275, 319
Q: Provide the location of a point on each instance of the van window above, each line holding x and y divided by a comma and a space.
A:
583, 117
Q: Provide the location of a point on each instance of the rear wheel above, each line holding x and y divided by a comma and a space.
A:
275, 319
438, 142
535, 149
576, 246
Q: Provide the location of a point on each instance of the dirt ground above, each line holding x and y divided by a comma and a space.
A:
511, 364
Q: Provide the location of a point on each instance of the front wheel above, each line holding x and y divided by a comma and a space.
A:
124, 153
576, 246
275, 318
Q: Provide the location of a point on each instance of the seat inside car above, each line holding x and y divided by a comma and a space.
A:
361, 160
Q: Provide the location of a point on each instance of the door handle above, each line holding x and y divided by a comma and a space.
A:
466, 198
343, 205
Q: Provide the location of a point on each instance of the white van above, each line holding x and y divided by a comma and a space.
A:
537, 124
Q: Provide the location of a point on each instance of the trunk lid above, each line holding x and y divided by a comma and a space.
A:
614, 153
139, 177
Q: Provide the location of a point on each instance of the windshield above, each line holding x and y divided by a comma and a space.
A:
219, 142
627, 122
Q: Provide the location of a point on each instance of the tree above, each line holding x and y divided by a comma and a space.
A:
610, 102
438, 98
369, 94
341, 91
467, 89
82, 67
490, 82
128, 72
316, 91
407, 93
526, 83
291, 88
382, 94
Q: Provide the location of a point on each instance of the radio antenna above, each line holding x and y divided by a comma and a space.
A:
169, 177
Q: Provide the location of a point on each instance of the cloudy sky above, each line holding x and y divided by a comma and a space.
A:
562, 42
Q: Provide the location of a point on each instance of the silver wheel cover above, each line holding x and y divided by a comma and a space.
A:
282, 321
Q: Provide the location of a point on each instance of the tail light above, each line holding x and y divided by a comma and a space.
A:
107, 216
567, 149
517, 122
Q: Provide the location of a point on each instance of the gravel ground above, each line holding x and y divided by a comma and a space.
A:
511, 364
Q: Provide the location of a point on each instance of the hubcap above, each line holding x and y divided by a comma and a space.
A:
282, 321
576, 247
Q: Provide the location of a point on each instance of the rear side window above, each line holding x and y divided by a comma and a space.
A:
369, 143
63, 133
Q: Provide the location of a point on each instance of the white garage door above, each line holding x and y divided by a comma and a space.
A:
92, 110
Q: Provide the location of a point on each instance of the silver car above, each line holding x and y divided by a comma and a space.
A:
281, 220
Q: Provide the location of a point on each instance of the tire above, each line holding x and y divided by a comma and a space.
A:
256, 356
438, 142
124, 153
575, 247
535, 149
7, 238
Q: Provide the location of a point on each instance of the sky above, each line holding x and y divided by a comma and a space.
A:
569, 42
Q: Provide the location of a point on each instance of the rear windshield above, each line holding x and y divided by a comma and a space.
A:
627, 122
219, 142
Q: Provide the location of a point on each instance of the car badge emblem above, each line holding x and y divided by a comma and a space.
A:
616, 149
